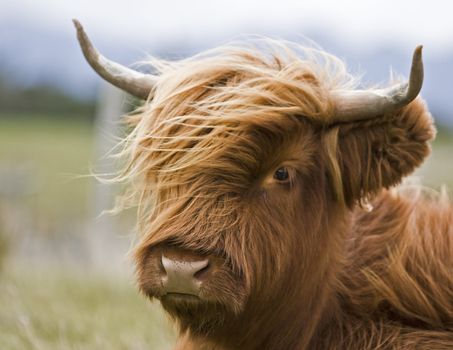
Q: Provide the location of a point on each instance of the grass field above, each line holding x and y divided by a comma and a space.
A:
42, 309
61, 306
53, 152
46, 306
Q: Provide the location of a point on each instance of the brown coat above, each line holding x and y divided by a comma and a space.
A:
333, 257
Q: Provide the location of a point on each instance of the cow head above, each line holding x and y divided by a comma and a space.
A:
244, 166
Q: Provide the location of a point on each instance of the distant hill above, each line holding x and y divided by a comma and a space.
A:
42, 100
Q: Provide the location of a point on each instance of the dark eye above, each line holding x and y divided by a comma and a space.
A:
281, 174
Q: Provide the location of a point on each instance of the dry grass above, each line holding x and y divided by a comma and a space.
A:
56, 310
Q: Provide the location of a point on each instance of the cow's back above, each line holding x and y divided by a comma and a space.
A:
400, 259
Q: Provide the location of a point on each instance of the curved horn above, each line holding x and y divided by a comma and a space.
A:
137, 84
362, 104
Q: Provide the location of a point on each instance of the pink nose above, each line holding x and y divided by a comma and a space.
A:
181, 275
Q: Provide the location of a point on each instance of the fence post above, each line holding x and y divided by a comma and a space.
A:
107, 246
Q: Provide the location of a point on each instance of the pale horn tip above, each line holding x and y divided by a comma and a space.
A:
418, 53
416, 75
77, 24
81, 35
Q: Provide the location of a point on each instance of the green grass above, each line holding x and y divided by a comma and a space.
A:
54, 151
437, 170
55, 310
58, 307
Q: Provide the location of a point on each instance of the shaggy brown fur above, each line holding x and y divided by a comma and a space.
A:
333, 258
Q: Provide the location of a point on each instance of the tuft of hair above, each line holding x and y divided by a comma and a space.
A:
205, 104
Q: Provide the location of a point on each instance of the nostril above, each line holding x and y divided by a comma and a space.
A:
183, 266
203, 272
161, 268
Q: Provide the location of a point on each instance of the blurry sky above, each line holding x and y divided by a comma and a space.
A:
366, 23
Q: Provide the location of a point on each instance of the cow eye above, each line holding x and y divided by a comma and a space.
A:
281, 174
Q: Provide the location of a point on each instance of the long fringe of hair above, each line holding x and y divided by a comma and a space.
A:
203, 104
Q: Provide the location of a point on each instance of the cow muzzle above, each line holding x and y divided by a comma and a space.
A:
191, 282
183, 276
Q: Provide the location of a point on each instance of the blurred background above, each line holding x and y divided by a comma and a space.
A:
66, 281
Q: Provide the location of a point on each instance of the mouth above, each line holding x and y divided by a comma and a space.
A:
193, 312
179, 297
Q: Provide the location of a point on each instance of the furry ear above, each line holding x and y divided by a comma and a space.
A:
363, 157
